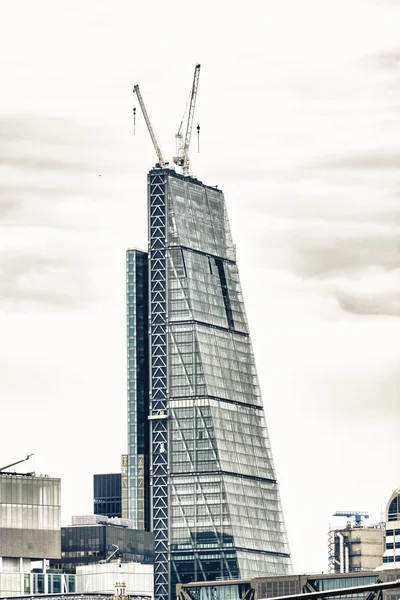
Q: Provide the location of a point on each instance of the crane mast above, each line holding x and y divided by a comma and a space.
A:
161, 161
182, 157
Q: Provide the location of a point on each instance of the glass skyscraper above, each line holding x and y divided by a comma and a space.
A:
216, 511
138, 459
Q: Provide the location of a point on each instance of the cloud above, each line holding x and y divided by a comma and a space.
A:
365, 161
45, 279
59, 220
381, 304
359, 268
52, 143
388, 61
376, 292
61, 174
325, 250
344, 266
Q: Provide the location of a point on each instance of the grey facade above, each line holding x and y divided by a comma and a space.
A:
353, 549
29, 517
216, 510
29, 529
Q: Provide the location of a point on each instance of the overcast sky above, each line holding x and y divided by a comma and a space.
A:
299, 111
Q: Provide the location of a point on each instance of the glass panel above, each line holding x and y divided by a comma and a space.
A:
222, 478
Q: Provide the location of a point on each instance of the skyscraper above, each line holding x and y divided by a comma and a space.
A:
216, 510
138, 467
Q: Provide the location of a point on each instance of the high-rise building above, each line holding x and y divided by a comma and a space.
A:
138, 458
107, 495
391, 554
216, 511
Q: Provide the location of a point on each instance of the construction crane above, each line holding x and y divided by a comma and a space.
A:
16, 463
161, 162
182, 144
358, 516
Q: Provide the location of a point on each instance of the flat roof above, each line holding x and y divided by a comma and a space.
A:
188, 178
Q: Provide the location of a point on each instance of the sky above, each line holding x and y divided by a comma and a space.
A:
299, 111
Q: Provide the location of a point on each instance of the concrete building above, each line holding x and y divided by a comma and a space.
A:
353, 549
215, 506
30, 529
391, 553
102, 578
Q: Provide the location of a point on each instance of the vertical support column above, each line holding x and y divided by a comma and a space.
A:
21, 575
158, 381
45, 576
124, 485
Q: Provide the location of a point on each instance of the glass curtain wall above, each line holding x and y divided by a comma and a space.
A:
29, 516
224, 513
107, 494
138, 389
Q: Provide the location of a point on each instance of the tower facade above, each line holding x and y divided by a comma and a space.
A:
216, 510
136, 466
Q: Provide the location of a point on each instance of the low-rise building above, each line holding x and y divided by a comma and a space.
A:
355, 548
102, 578
258, 588
30, 531
95, 538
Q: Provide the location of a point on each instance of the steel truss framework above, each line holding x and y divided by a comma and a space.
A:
213, 479
246, 591
374, 592
159, 397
